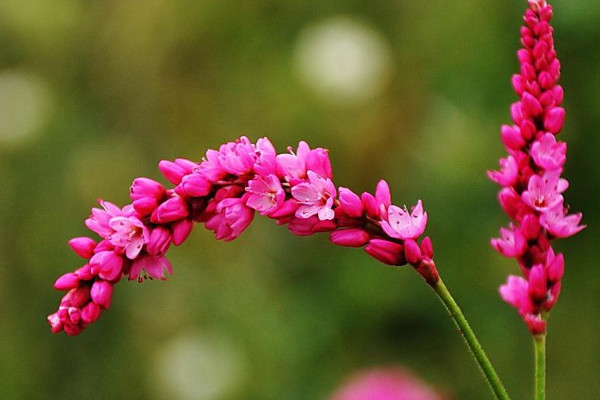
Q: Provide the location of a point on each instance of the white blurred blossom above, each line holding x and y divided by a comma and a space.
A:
343, 60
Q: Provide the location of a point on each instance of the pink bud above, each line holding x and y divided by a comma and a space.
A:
531, 106
535, 324
173, 172
101, 293
288, 209
90, 312
558, 93
83, 246
518, 84
352, 237
545, 80
510, 201
145, 187
160, 239
556, 268
370, 204
511, 137
427, 248
55, 324
537, 284
524, 56
387, 252
145, 205
171, 210
554, 119
412, 252
351, 203
79, 296
194, 185
528, 129
528, 72
188, 165
84, 273
67, 282
516, 113
107, 265
554, 69
181, 231
382, 194
540, 49
72, 330
74, 315
530, 226
317, 160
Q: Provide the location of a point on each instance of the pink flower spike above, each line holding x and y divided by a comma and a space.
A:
560, 225
266, 194
101, 293
171, 210
151, 267
401, 224
181, 231
129, 233
543, 192
67, 282
512, 243
548, 153
352, 237
315, 197
509, 172
83, 247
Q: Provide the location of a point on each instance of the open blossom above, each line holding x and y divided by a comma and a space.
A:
224, 191
315, 196
404, 225
532, 193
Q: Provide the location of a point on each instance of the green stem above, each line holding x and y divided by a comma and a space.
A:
540, 366
469, 336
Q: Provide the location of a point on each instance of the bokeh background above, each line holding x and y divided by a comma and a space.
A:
95, 93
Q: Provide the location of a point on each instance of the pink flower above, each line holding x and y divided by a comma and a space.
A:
100, 218
266, 194
512, 243
516, 293
543, 192
107, 265
237, 157
509, 172
152, 267
548, 153
293, 166
385, 384
266, 162
232, 218
559, 224
129, 233
401, 224
315, 196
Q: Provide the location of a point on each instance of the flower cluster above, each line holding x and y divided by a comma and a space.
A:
531, 174
224, 191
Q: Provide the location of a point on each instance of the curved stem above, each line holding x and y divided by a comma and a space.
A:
540, 366
469, 336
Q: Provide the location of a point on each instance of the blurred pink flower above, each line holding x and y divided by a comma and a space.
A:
385, 384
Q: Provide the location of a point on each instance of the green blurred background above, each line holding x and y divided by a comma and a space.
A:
95, 93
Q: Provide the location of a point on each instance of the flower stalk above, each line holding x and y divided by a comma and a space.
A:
539, 342
471, 341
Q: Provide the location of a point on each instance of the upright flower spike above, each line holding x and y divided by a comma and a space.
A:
224, 191
532, 193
